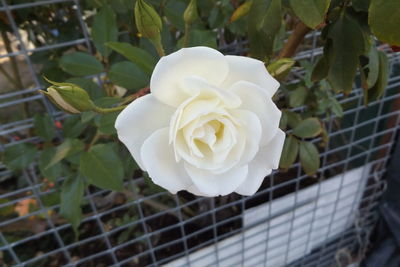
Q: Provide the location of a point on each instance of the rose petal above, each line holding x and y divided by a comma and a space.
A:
254, 179
158, 158
169, 72
253, 130
193, 189
197, 109
195, 85
217, 184
266, 159
211, 159
140, 119
251, 70
256, 100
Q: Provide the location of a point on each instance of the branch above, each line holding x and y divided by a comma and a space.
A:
141, 92
108, 110
298, 34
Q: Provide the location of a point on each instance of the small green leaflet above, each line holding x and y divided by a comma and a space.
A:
311, 12
289, 152
309, 157
104, 29
102, 167
308, 128
71, 197
384, 19
44, 126
80, 64
19, 156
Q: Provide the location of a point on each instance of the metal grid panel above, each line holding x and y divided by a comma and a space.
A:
365, 136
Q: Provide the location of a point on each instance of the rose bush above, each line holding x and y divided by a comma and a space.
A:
209, 125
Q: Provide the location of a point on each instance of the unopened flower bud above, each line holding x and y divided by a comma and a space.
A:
148, 22
190, 15
280, 68
69, 97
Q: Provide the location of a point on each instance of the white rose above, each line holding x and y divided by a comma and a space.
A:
209, 125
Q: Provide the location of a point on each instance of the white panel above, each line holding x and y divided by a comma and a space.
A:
294, 230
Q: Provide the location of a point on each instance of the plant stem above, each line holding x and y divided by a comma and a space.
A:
157, 44
130, 98
298, 34
94, 140
108, 110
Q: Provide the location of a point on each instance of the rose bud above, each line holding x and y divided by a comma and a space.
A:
190, 15
148, 22
68, 97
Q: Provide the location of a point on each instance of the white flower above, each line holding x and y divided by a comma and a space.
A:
209, 125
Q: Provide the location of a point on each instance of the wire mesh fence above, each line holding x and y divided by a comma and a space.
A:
293, 219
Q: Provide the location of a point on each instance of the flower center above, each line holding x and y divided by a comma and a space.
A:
205, 133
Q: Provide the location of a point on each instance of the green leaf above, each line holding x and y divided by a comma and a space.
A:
202, 38
336, 107
107, 101
280, 68
44, 126
293, 118
320, 70
137, 55
19, 156
122, 6
377, 90
103, 167
128, 75
308, 128
265, 18
280, 38
91, 87
308, 67
129, 163
347, 45
67, 148
71, 198
298, 97
372, 66
384, 19
241, 11
104, 29
324, 136
53, 172
106, 122
216, 17
73, 127
60, 153
289, 152
51, 199
80, 64
309, 157
361, 5
174, 12
87, 116
311, 12
283, 122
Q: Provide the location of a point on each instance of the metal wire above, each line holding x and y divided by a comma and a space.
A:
347, 149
